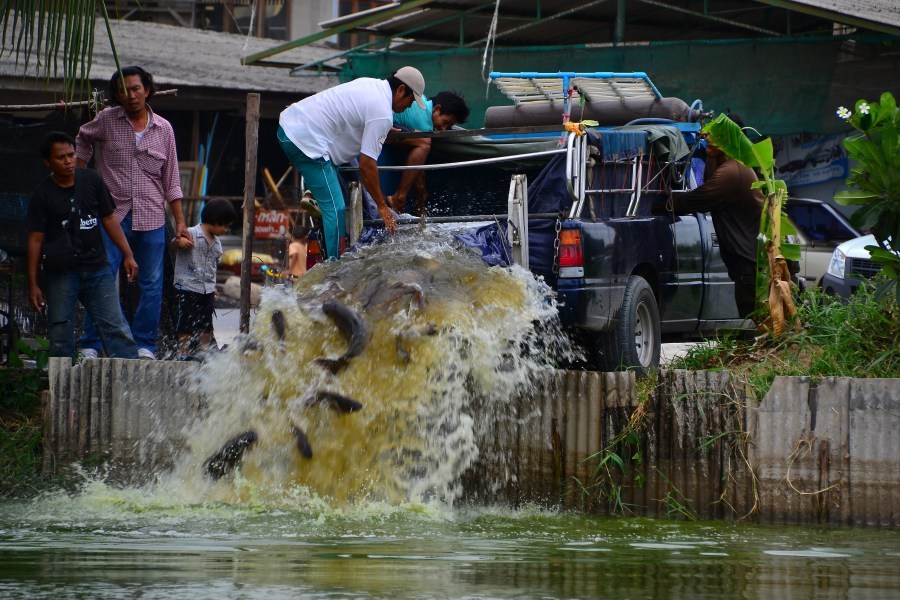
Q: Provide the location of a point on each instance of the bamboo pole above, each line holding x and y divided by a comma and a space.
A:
63, 105
252, 136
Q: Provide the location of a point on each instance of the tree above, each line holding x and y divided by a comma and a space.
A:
58, 35
773, 280
875, 178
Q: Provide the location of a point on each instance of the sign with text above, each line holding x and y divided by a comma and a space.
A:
806, 159
271, 224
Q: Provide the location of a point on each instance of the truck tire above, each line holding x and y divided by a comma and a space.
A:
634, 344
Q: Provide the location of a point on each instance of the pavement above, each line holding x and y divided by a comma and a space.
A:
227, 322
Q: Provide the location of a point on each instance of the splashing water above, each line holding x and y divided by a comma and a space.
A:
445, 333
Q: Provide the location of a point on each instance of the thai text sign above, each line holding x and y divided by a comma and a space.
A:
271, 224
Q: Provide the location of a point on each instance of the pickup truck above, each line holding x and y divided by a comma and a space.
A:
628, 274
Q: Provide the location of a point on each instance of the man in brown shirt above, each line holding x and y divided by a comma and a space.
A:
736, 210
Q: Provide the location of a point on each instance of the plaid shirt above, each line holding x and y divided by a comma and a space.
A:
142, 177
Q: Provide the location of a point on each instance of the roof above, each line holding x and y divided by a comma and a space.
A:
184, 58
414, 25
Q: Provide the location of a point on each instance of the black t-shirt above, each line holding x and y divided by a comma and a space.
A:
49, 208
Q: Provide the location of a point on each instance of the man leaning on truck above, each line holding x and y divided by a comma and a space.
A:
736, 210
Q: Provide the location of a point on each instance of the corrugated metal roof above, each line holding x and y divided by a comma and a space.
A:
874, 12
187, 58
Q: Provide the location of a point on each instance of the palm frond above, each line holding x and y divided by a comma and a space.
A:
54, 38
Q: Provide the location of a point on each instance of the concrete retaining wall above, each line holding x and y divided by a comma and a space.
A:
823, 451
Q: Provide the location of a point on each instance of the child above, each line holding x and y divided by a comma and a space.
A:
196, 260
298, 245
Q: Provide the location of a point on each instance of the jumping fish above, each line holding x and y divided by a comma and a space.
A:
302, 441
229, 455
353, 329
413, 331
337, 401
279, 324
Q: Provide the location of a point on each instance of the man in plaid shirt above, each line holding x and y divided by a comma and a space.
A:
139, 164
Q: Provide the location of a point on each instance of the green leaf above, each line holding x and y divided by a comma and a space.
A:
853, 197
728, 137
765, 154
791, 251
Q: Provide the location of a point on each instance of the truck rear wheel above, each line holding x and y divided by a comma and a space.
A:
635, 342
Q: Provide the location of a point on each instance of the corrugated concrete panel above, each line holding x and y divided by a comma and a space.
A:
822, 451
874, 450
781, 451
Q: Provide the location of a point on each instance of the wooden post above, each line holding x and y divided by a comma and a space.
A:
252, 136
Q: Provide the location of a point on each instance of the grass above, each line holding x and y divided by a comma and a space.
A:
858, 338
20, 430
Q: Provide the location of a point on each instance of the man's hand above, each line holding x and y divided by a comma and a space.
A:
36, 297
181, 231
183, 242
131, 268
390, 223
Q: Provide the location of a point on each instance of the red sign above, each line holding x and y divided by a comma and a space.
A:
271, 224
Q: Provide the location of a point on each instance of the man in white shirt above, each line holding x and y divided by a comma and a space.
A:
332, 127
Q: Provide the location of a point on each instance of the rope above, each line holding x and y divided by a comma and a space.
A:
490, 43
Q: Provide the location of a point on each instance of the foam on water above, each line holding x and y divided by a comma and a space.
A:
448, 334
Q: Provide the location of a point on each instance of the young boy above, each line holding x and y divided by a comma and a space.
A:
298, 246
65, 212
196, 260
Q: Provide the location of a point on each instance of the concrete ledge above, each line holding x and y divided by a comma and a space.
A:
812, 451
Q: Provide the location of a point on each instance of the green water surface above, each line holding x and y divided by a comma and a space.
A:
124, 544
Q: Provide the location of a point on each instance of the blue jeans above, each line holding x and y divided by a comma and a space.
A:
321, 178
148, 248
96, 290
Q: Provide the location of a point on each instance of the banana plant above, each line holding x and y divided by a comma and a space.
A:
772, 276
58, 35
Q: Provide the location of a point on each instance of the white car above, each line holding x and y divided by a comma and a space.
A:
850, 265
820, 228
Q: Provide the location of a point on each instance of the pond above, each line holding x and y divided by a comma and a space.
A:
107, 543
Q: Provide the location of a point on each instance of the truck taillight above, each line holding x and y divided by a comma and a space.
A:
570, 254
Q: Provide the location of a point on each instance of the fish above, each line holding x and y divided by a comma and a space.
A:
336, 401
413, 331
352, 327
229, 455
302, 441
279, 324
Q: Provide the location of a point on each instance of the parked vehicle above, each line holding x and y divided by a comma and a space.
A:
850, 265
820, 228
628, 273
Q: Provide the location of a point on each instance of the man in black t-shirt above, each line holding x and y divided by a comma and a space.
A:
66, 260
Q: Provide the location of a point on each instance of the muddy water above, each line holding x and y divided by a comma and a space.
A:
374, 511
124, 544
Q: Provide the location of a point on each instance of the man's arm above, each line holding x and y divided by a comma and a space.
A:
33, 258
368, 170
114, 231
716, 192
181, 230
171, 185
84, 141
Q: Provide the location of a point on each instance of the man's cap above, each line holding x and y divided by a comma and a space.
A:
413, 79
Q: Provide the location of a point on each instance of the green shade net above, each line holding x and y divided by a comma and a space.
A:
778, 86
